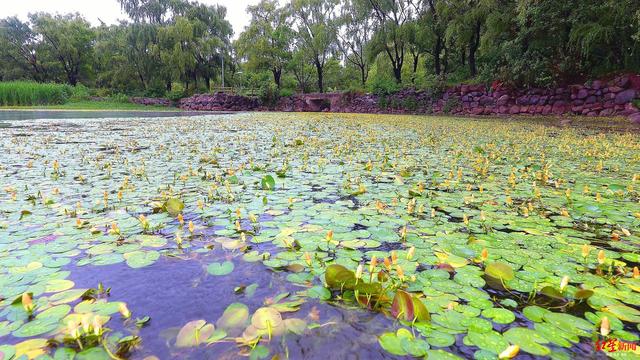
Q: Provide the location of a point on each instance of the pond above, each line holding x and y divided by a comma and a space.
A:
318, 236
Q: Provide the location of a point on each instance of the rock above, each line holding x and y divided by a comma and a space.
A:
582, 94
615, 89
622, 82
503, 100
514, 109
635, 118
625, 96
606, 112
596, 85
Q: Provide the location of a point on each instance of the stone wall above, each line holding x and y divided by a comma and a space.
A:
151, 101
597, 98
220, 102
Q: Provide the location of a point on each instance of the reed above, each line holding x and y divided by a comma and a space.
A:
24, 93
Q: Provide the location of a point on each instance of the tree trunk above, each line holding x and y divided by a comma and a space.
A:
168, 85
207, 82
319, 70
436, 54
445, 60
397, 73
463, 54
277, 75
363, 74
473, 48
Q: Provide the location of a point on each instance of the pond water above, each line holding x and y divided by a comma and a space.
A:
317, 236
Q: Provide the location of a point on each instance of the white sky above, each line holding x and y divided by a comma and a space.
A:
109, 10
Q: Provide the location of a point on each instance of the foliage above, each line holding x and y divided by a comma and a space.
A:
314, 45
502, 236
31, 93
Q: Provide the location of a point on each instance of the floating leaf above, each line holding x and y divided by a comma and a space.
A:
338, 277
268, 182
219, 269
265, 318
499, 270
174, 206
234, 318
194, 333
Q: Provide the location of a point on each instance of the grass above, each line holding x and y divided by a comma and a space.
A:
93, 105
24, 93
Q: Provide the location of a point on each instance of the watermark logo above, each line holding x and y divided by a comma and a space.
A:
613, 345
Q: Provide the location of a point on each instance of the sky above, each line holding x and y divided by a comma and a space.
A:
109, 10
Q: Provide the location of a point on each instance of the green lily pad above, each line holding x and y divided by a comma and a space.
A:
220, 269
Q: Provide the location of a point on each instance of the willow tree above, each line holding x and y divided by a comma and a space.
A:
267, 42
392, 24
68, 39
315, 31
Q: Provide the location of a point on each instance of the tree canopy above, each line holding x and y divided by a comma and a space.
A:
170, 46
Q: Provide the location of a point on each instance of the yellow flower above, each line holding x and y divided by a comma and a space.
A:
601, 257
411, 252
97, 326
86, 323
394, 257
509, 352
387, 264
329, 235
124, 310
636, 272
180, 219
605, 327
73, 329
307, 258
564, 282
433, 212
78, 223
253, 218
191, 227
238, 226
372, 264
400, 272
585, 250
359, 271
200, 204
27, 302
484, 255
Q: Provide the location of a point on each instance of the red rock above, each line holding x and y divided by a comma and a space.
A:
615, 89
635, 118
514, 109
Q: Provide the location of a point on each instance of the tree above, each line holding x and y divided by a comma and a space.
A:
267, 41
392, 18
354, 35
18, 47
69, 39
315, 24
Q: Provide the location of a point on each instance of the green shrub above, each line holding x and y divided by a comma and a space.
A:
286, 92
23, 93
176, 94
382, 86
120, 98
79, 92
